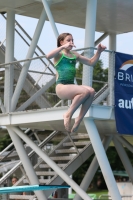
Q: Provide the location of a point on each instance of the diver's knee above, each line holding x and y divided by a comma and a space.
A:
86, 92
92, 91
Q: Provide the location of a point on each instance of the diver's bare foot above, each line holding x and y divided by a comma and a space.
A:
67, 122
75, 126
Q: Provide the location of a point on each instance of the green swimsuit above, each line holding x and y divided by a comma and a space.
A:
66, 70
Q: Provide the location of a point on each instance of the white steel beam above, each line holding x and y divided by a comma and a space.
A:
51, 163
2, 106
89, 39
124, 142
101, 97
101, 38
30, 89
50, 115
36, 95
102, 158
9, 56
26, 162
124, 158
92, 169
50, 17
25, 68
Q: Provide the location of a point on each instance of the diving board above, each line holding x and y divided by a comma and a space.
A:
26, 188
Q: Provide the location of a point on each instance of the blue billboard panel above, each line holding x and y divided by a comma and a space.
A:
124, 93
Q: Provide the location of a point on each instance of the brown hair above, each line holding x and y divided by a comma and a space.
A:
61, 37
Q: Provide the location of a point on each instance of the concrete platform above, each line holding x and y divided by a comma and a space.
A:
112, 16
52, 119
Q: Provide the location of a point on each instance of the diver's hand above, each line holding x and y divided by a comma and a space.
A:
68, 45
101, 48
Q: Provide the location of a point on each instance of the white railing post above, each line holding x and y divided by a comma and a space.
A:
111, 72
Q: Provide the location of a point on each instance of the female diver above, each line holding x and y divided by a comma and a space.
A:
65, 61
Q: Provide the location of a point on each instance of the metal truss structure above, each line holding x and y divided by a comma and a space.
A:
98, 126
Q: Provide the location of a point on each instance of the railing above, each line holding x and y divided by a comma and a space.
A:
41, 80
39, 69
40, 75
18, 165
32, 70
23, 36
50, 153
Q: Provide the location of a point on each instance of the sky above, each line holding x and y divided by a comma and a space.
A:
47, 40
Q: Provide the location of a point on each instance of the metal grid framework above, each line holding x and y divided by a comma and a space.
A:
41, 71
40, 78
17, 134
22, 43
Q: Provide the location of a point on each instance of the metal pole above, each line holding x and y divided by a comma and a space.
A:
28, 59
89, 39
101, 97
124, 158
26, 162
30, 53
125, 142
112, 46
2, 106
92, 169
9, 56
50, 17
10, 145
101, 38
112, 42
102, 158
69, 136
29, 155
51, 163
37, 94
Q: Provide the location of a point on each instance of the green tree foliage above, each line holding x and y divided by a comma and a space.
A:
114, 158
81, 171
99, 74
115, 163
4, 141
